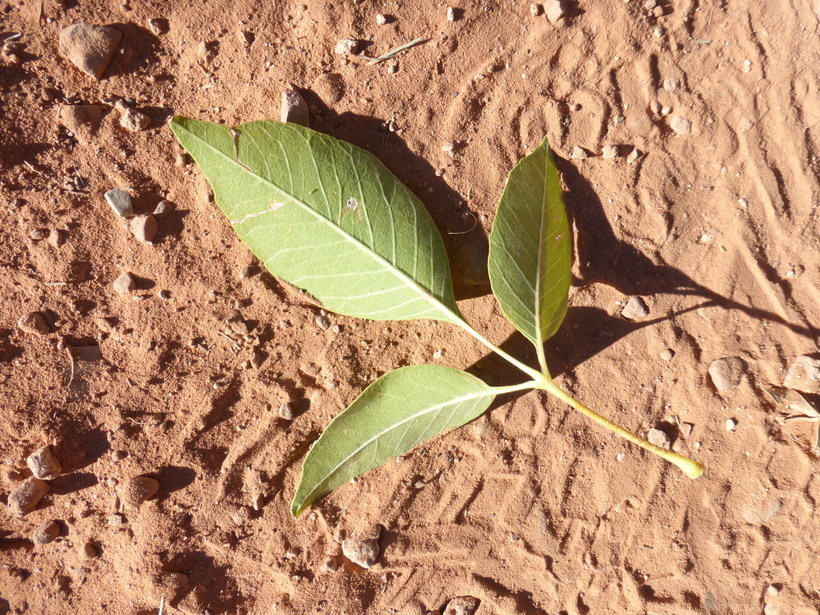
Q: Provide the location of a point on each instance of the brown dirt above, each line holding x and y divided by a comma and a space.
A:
531, 509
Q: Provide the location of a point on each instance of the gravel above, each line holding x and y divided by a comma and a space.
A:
120, 202
46, 533
138, 489
124, 284
362, 548
26, 496
462, 605
134, 120
680, 125
144, 227
43, 464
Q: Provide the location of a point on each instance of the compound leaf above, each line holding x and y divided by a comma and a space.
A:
398, 411
327, 217
530, 253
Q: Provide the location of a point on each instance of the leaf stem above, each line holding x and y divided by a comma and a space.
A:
690, 467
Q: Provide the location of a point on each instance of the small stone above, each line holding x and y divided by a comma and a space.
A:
453, 13
257, 358
294, 109
666, 110
164, 294
26, 496
120, 202
331, 564
658, 437
462, 605
134, 120
771, 609
657, 11
46, 533
667, 354
655, 106
286, 411
772, 590
163, 208
650, 4
635, 309
119, 455
362, 548
633, 156
671, 84
448, 147
138, 489
323, 322
555, 10
380, 19
116, 520
536, 9
578, 153
609, 152
158, 26
43, 464
247, 271
242, 515
731, 424
726, 373
33, 323
658, 31
124, 284
680, 125
56, 237
346, 47
804, 374
90, 48
144, 227
38, 234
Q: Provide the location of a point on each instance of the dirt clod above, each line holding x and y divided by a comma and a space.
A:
134, 120
90, 48
26, 496
33, 323
43, 464
144, 227
346, 47
680, 125
139, 489
462, 605
804, 374
726, 373
46, 533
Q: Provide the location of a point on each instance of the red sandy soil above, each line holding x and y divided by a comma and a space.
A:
531, 509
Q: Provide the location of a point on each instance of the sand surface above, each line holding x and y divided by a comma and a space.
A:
531, 509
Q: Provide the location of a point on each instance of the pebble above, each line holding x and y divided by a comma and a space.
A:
242, 515
331, 564
655, 106
671, 84
362, 548
726, 373
120, 201
81, 120
667, 354
116, 520
33, 323
462, 605
294, 109
680, 125
346, 47
56, 237
633, 155
804, 375
43, 464
124, 284
38, 234
134, 120
90, 48
452, 13
138, 489
635, 309
46, 533
144, 227
322, 321
731, 424
554, 10
578, 153
380, 19
158, 26
609, 152
26, 496
536, 9
286, 411
658, 437
657, 11
650, 4
163, 208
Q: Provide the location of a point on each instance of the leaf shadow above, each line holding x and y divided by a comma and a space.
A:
465, 240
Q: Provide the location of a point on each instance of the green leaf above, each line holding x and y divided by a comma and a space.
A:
530, 254
327, 217
400, 410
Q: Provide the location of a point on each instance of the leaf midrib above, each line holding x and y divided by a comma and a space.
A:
426, 295
392, 427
